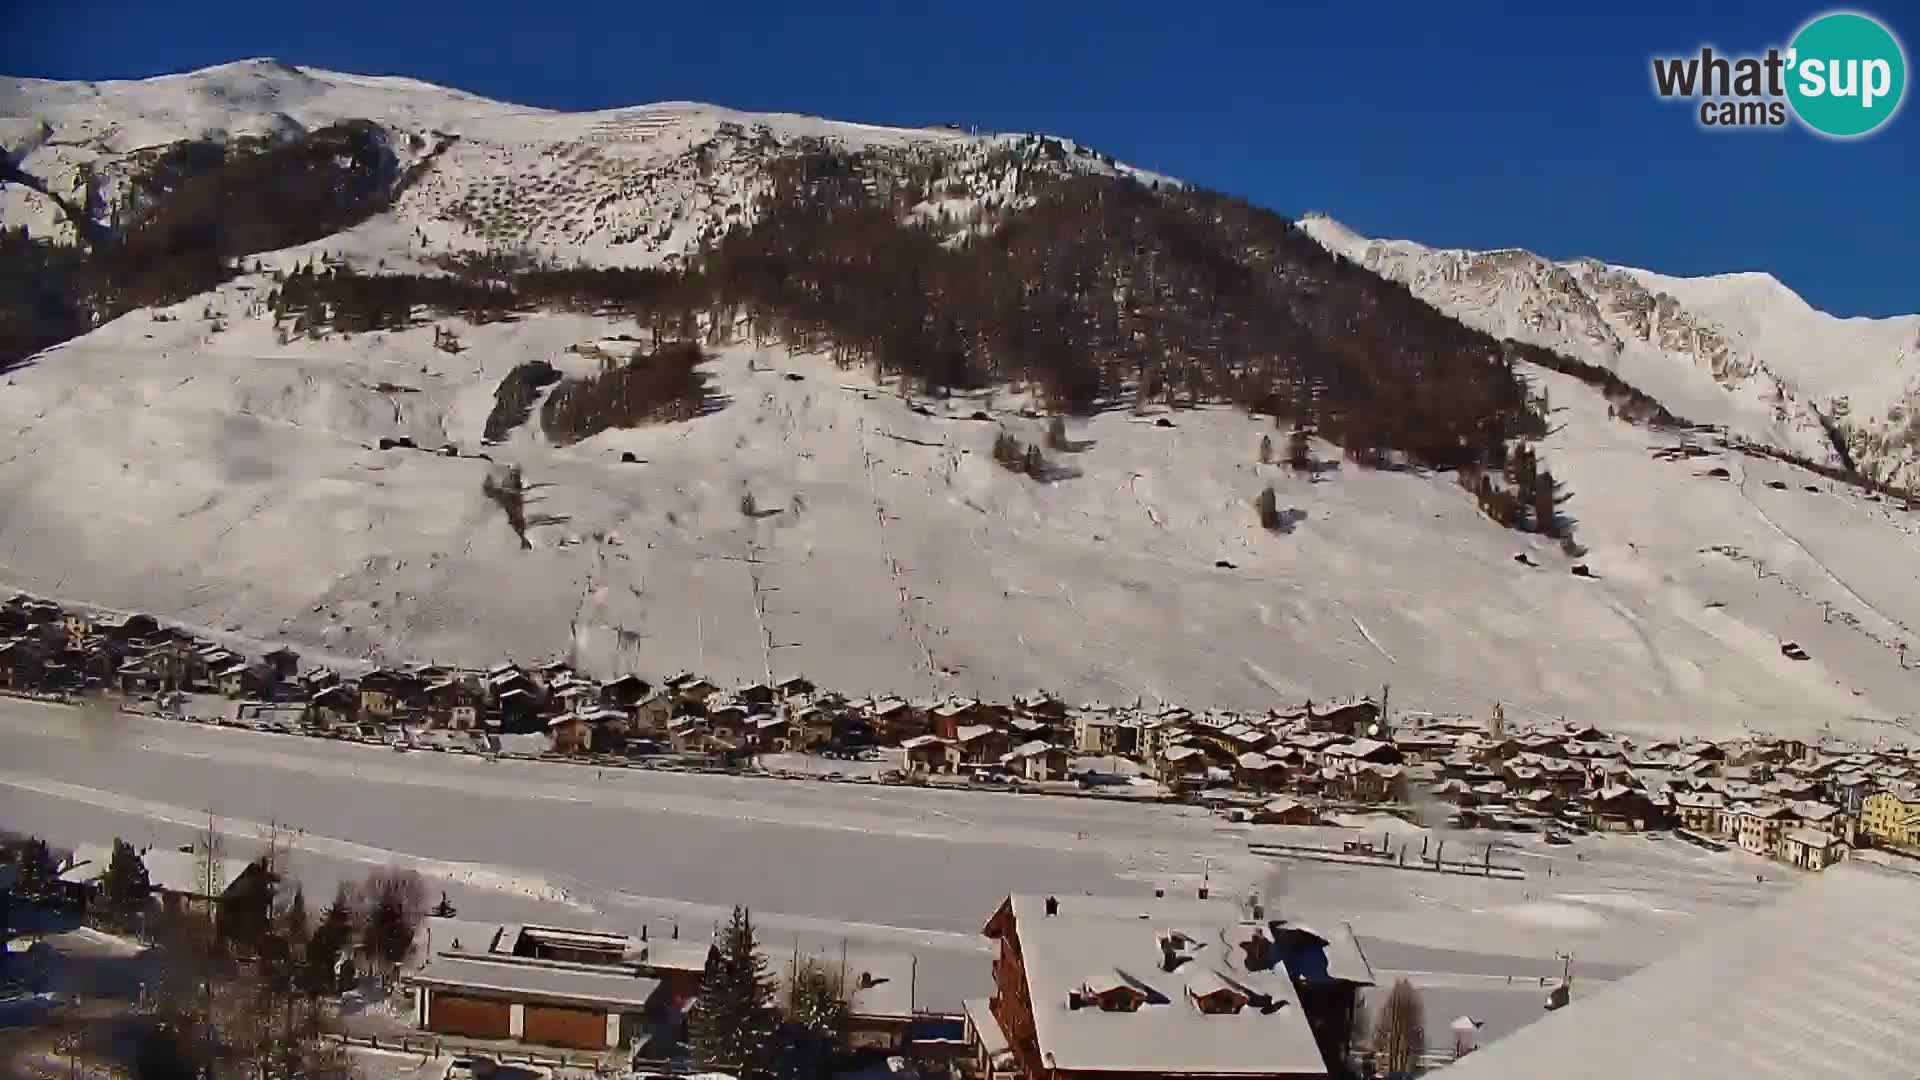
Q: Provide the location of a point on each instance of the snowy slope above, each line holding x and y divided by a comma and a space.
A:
1740, 350
186, 463
230, 481
630, 186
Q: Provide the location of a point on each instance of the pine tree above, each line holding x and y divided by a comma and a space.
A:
732, 1023
1033, 464
124, 888
816, 1023
1545, 518
34, 861
396, 902
330, 940
283, 947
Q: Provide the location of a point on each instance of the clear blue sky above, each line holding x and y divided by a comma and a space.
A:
1477, 124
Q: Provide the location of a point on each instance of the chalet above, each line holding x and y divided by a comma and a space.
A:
516, 711
728, 724
650, 715
1256, 771
1354, 718
795, 688
692, 688
947, 718
925, 753
625, 692
571, 733
1036, 760
233, 680
335, 705
1285, 810
808, 727
177, 880
756, 694
892, 719
283, 663
1093, 988
385, 694
979, 744
688, 734
1617, 808
768, 733
1372, 751
453, 704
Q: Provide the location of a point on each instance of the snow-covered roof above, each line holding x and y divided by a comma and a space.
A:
1818, 986
1168, 1034
168, 870
549, 981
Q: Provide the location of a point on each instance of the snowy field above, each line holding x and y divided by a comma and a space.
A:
918, 870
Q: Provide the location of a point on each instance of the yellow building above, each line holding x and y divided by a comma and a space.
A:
1893, 817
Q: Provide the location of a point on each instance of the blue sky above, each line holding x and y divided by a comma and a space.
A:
1482, 125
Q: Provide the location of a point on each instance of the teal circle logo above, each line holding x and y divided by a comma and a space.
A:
1846, 74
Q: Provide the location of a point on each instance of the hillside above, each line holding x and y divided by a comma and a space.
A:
1737, 350
214, 460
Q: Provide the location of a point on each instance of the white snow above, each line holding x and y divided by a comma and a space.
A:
575, 846
227, 480
1740, 350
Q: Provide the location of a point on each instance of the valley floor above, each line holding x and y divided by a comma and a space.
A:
915, 869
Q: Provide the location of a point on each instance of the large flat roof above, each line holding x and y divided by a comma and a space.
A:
523, 980
1823, 985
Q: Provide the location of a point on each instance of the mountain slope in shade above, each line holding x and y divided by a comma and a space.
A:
1740, 350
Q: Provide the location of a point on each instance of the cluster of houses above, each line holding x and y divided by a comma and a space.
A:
1802, 804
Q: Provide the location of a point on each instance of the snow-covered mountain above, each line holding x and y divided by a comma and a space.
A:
1740, 350
196, 462
630, 187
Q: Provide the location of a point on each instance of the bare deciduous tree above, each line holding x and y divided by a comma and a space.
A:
1400, 1033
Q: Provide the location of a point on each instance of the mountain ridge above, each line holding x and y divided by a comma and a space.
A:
1776, 369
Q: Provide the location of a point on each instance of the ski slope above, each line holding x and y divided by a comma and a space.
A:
224, 479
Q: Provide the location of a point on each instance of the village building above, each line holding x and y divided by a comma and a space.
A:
1811, 849
180, 881
1892, 817
1036, 760
1092, 987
